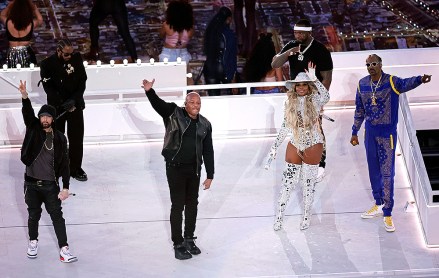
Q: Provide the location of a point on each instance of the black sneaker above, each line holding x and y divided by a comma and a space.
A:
189, 243
80, 175
181, 252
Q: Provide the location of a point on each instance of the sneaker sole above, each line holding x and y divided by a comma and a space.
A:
371, 216
32, 256
183, 258
68, 261
390, 230
80, 179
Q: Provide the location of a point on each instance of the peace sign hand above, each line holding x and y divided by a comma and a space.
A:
22, 89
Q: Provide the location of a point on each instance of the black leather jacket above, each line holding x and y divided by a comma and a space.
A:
64, 85
34, 140
176, 121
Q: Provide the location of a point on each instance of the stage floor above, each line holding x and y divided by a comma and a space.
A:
118, 226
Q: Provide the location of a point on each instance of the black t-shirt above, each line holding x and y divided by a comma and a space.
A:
188, 153
316, 53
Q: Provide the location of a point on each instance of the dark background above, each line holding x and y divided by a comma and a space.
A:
341, 25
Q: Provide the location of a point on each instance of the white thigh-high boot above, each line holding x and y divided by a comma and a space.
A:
290, 178
309, 176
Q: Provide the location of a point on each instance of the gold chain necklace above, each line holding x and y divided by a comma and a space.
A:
373, 88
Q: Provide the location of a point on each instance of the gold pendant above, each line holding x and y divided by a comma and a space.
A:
374, 100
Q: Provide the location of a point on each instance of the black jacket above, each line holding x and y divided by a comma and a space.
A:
62, 86
176, 121
34, 140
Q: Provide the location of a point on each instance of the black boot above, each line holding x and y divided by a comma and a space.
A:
189, 243
181, 252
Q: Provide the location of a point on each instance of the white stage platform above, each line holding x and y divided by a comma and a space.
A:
118, 223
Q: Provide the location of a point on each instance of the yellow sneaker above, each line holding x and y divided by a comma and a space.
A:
372, 212
388, 224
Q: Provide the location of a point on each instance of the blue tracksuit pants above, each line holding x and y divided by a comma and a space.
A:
380, 146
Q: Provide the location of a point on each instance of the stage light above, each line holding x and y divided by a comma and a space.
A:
178, 60
85, 63
125, 62
112, 63
18, 66
151, 61
98, 63
165, 60
5, 67
139, 62
32, 66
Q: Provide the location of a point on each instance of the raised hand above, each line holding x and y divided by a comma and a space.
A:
22, 89
311, 72
147, 85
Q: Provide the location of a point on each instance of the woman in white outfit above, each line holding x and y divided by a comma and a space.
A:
306, 96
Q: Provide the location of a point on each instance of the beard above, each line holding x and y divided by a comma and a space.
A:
45, 125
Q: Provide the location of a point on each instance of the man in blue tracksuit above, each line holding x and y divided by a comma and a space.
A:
377, 102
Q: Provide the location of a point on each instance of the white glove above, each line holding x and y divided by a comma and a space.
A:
311, 72
271, 156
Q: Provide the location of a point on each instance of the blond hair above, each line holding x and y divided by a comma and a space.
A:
310, 115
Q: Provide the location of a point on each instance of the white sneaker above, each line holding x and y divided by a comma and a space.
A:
32, 249
65, 256
373, 211
388, 224
320, 174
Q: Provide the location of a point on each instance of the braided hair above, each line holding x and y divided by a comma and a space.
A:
63, 43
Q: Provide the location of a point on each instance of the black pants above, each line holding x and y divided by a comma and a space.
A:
213, 74
184, 182
118, 10
34, 197
75, 134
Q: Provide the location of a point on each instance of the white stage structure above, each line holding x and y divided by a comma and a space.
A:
117, 110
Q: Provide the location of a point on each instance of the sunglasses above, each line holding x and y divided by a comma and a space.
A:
373, 64
64, 54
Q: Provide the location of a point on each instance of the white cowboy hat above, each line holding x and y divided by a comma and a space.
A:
301, 77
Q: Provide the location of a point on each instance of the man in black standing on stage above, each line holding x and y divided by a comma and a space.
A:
188, 140
44, 152
299, 53
64, 77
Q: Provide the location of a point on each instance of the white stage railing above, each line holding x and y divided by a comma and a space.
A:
428, 210
117, 110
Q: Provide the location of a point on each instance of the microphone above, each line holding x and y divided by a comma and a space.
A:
327, 118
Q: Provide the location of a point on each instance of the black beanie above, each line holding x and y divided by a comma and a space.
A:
47, 110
